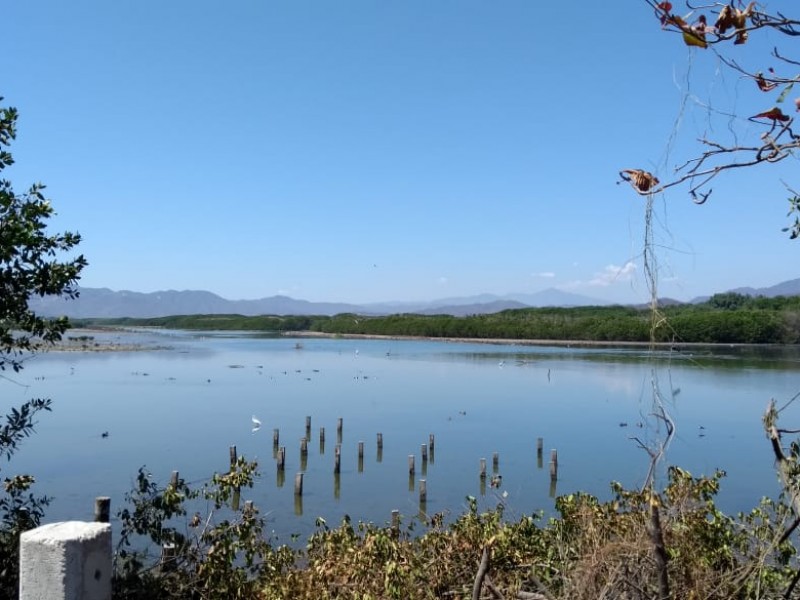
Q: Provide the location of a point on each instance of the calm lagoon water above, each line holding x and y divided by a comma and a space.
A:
181, 407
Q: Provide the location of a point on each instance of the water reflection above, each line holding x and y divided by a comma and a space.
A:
191, 405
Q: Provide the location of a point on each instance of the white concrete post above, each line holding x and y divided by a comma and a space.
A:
66, 561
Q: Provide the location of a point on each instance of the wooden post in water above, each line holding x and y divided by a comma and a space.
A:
495, 463
411, 468
423, 491
282, 458
102, 509
360, 457
553, 464
483, 469
339, 431
432, 447
303, 445
539, 451
379, 457
337, 459
395, 523
322, 440
233, 457
276, 436
308, 422
424, 453
298, 484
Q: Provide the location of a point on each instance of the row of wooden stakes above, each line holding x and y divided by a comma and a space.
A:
279, 453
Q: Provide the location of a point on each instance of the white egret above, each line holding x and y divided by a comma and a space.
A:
256, 423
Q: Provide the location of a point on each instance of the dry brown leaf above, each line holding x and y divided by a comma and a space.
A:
642, 181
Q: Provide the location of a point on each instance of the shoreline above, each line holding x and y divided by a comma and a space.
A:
518, 342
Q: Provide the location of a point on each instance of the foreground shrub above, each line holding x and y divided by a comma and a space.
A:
588, 549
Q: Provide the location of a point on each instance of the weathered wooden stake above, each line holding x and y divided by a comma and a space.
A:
395, 523
276, 436
298, 484
282, 458
102, 509
431, 442
423, 491
308, 422
411, 468
303, 445
553, 464
339, 429
495, 463
233, 457
337, 459
424, 453
380, 441
361, 450
483, 468
539, 451
321, 435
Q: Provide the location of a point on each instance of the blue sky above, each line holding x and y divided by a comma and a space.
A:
368, 151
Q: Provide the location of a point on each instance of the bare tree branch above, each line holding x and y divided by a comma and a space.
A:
775, 144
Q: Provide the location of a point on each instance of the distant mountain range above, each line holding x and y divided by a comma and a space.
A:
103, 302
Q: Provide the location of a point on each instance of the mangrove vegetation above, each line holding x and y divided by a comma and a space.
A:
728, 318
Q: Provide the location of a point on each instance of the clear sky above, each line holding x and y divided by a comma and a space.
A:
364, 151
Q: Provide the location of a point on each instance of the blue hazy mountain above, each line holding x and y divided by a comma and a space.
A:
103, 302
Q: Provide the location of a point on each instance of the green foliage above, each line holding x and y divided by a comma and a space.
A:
224, 554
29, 266
728, 318
28, 261
590, 549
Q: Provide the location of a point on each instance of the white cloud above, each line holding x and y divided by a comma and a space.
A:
545, 275
443, 280
613, 274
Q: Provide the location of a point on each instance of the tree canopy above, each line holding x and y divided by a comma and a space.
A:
30, 264
30, 260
